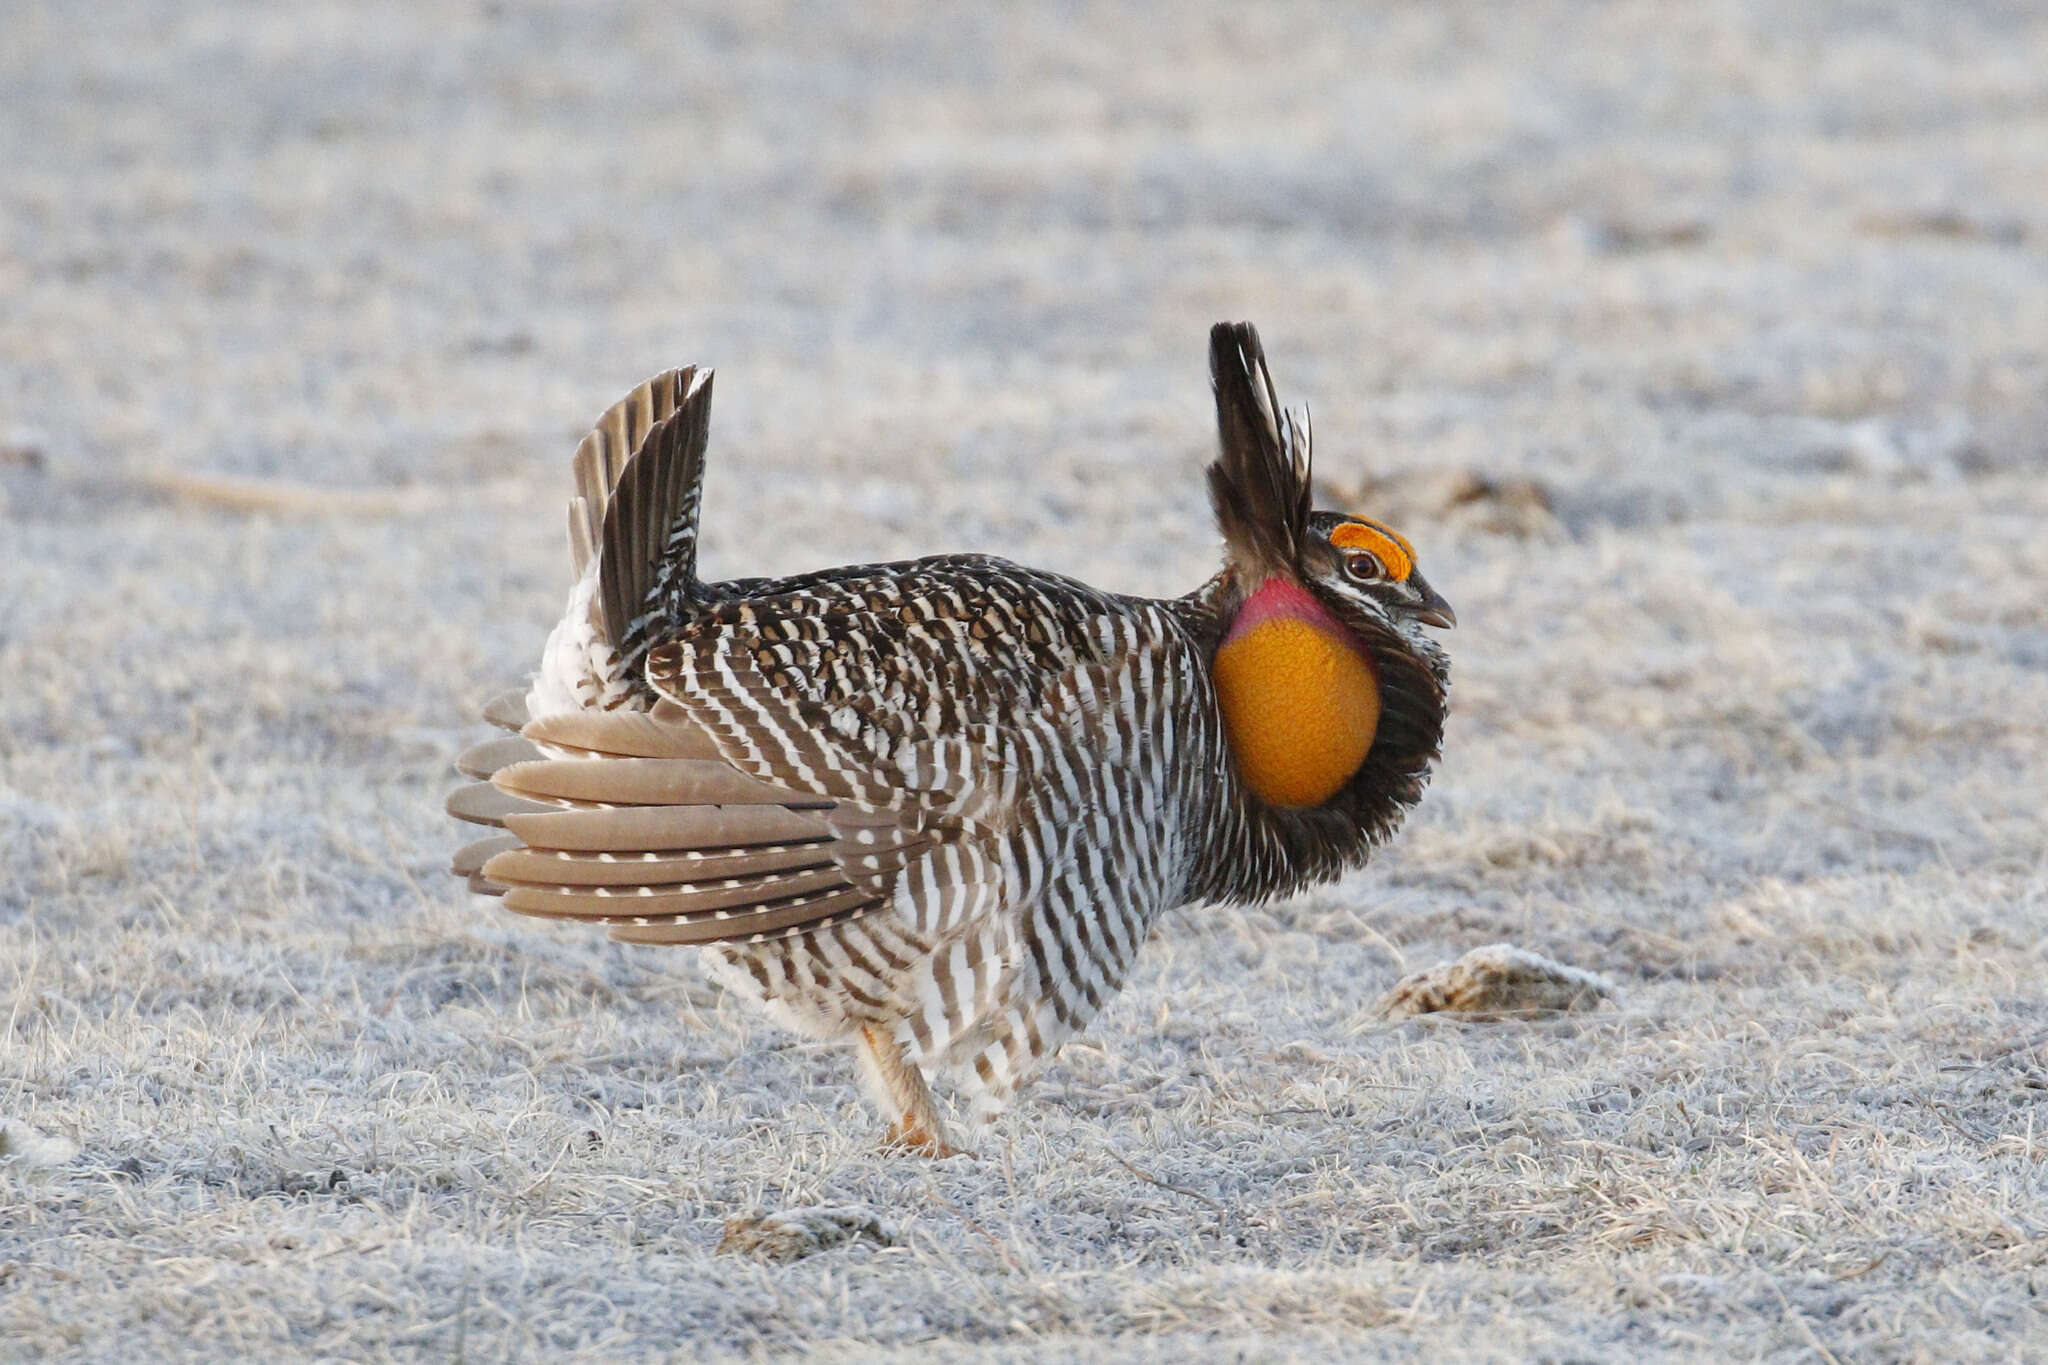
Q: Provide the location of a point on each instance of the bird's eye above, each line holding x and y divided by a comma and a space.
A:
1364, 567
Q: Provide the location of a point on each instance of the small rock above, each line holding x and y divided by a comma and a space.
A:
1494, 982
313, 1182
796, 1233
23, 449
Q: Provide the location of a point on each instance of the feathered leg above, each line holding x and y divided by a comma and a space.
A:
900, 1089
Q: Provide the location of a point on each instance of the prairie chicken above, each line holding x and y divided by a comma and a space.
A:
934, 807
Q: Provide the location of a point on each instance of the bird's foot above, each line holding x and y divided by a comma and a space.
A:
919, 1140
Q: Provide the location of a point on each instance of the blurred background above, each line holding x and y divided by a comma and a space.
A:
305, 307
1702, 349
1667, 260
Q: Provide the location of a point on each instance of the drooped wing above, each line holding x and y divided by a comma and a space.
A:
921, 817
632, 819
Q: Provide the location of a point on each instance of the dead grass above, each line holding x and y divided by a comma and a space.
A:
1749, 724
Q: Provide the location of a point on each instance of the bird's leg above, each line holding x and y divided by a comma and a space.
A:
899, 1087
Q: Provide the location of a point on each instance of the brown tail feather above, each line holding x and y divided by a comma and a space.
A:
650, 523
603, 454
633, 818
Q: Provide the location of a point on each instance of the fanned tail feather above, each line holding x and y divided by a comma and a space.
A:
629, 816
602, 456
632, 540
649, 525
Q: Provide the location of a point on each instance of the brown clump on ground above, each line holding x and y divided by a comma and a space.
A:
794, 1234
1495, 982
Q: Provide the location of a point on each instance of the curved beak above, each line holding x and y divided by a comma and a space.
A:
1432, 610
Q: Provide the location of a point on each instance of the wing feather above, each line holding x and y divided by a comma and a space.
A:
644, 782
481, 760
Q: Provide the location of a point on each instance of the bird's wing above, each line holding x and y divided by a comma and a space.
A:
919, 813
787, 779
1001, 725
872, 739
633, 820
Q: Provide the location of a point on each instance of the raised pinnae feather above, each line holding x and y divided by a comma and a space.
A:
1259, 483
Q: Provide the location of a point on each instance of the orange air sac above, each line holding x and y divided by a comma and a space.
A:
1298, 696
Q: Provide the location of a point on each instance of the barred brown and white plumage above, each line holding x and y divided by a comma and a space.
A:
935, 807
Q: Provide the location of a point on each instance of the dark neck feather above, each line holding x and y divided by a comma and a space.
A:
1255, 851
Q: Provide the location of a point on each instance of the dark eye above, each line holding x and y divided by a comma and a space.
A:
1364, 567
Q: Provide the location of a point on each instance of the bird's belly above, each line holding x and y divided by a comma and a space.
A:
1301, 707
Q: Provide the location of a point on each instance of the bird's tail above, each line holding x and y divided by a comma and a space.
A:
639, 481
633, 550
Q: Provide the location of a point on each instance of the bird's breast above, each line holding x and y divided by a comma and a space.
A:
1299, 701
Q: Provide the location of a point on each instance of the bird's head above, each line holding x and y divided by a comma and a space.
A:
1323, 660
1363, 571
1366, 567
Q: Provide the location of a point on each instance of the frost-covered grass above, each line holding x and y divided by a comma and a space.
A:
1752, 723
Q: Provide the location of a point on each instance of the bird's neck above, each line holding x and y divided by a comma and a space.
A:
1300, 700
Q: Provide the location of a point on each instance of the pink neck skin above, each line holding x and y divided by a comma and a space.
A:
1279, 598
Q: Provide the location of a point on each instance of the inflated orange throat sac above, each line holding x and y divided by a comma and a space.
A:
1298, 695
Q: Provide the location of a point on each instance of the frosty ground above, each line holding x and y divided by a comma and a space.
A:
1703, 352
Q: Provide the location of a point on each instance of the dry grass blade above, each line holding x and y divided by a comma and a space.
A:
285, 497
1150, 1179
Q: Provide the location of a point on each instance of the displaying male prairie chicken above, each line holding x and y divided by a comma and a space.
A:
935, 807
